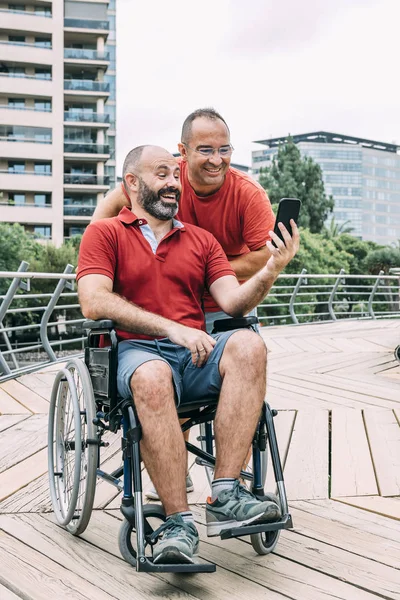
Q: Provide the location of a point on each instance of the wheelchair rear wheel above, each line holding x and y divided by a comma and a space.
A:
154, 516
72, 447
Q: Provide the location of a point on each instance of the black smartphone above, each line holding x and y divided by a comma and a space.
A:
288, 208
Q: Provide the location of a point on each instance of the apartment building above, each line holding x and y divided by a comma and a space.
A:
57, 113
362, 175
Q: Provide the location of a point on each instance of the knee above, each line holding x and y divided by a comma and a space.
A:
151, 384
246, 347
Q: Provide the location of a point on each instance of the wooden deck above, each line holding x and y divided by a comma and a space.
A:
337, 389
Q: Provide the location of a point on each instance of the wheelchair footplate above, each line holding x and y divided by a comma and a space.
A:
146, 565
284, 523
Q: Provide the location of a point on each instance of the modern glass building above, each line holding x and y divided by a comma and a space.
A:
57, 113
363, 176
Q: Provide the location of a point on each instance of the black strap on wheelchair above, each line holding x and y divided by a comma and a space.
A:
228, 324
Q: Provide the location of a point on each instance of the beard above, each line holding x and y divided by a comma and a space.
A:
153, 203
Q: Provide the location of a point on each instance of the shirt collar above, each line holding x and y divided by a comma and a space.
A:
129, 218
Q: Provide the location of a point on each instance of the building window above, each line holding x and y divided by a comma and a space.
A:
44, 11
42, 73
42, 231
43, 105
43, 42
17, 39
42, 199
16, 199
42, 168
16, 166
16, 102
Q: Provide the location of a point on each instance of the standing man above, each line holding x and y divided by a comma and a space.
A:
224, 201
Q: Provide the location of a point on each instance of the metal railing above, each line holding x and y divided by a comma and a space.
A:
86, 85
41, 76
40, 328
42, 45
76, 210
46, 15
88, 117
86, 24
86, 148
7, 172
86, 179
11, 107
13, 138
86, 54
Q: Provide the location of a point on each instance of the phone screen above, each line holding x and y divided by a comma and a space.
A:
289, 208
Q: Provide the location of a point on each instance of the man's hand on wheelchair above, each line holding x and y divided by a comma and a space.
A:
198, 342
283, 252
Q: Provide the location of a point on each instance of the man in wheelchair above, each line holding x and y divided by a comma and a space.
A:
147, 272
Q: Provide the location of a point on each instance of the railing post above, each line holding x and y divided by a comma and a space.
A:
332, 296
47, 314
8, 298
293, 297
372, 294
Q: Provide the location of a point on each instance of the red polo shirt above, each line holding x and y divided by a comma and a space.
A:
170, 282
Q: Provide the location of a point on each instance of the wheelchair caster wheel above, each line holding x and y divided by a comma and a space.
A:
397, 353
153, 516
72, 447
264, 543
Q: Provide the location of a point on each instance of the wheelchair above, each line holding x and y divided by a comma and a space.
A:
85, 404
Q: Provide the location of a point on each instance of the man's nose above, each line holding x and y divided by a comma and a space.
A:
215, 159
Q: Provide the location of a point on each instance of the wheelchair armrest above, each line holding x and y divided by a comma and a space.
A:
100, 324
228, 324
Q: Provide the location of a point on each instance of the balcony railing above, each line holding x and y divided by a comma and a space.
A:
24, 204
26, 13
10, 138
29, 44
85, 179
11, 107
25, 76
83, 148
78, 211
83, 54
88, 117
86, 85
86, 24
5, 171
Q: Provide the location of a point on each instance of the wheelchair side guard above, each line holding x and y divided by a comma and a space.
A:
228, 324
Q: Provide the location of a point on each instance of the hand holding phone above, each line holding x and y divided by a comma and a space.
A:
288, 208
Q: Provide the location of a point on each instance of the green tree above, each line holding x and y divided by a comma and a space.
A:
382, 259
334, 230
291, 176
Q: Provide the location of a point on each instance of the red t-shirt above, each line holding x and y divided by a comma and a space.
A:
170, 283
239, 215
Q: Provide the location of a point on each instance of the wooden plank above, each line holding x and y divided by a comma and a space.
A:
22, 440
347, 537
98, 570
384, 437
7, 421
306, 469
34, 497
6, 594
34, 576
25, 396
21, 474
35, 382
388, 507
352, 469
9, 406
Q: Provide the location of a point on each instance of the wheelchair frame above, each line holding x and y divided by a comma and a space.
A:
112, 413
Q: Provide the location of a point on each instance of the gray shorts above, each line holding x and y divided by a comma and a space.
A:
191, 383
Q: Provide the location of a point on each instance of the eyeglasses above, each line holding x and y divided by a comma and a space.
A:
224, 151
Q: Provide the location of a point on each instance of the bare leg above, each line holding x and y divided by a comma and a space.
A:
162, 444
243, 370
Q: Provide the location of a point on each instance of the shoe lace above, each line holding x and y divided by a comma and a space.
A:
168, 529
241, 491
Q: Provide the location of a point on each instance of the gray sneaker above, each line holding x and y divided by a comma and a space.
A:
153, 495
179, 542
237, 507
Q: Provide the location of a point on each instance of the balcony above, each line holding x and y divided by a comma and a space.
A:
86, 179
86, 148
31, 108
81, 116
76, 210
43, 174
46, 15
82, 54
86, 24
86, 85
17, 138
26, 44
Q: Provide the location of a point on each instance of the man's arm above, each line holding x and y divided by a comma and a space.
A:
111, 204
98, 301
249, 264
237, 300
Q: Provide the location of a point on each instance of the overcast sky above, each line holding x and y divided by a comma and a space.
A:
270, 67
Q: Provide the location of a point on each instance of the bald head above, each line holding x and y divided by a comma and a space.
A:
143, 156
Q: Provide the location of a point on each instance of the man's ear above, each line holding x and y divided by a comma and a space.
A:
182, 151
131, 182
